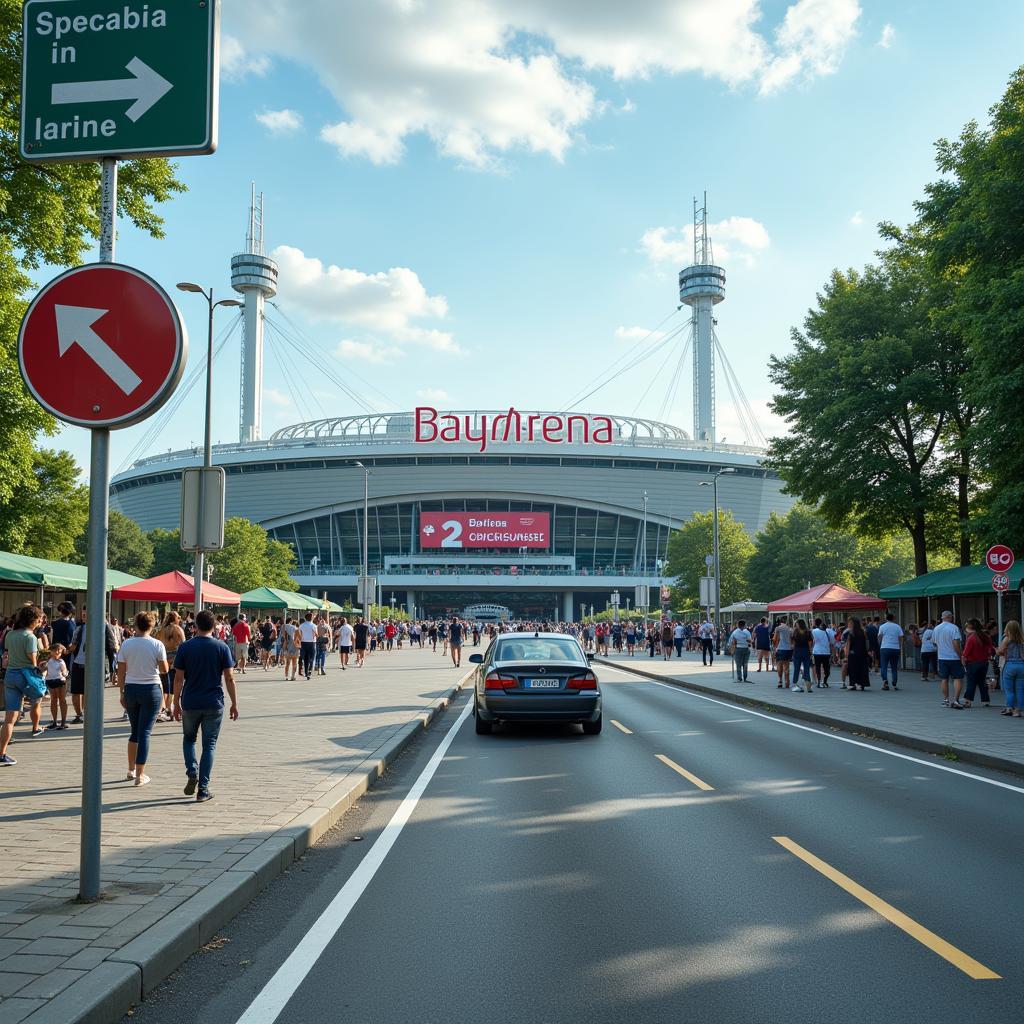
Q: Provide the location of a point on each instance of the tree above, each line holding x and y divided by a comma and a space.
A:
167, 553
45, 509
128, 548
970, 225
859, 392
688, 546
800, 547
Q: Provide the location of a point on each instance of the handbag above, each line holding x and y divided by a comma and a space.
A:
34, 686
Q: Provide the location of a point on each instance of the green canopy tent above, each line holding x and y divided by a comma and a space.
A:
42, 572
272, 598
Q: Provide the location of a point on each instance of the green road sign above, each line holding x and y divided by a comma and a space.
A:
121, 79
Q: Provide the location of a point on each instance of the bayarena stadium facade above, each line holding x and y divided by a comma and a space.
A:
528, 514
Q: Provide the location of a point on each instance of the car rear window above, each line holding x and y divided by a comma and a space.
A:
529, 648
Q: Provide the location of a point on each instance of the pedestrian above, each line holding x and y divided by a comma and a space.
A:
976, 656
78, 645
783, 641
242, 634
706, 635
801, 657
871, 629
23, 679
678, 635
1012, 677
666, 641
739, 643
762, 636
948, 640
890, 643
929, 653
290, 647
307, 642
857, 655
432, 636
267, 635
345, 636
323, 641
821, 652
56, 683
455, 641
202, 670
141, 662
63, 630
361, 635
172, 636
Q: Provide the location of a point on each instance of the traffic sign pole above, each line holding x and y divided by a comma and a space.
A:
89, 872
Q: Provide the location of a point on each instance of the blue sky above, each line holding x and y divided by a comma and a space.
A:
503, 188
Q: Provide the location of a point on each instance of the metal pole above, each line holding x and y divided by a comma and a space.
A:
207, 459
366, 523
643, 569
90, 849
999, 615
718, 571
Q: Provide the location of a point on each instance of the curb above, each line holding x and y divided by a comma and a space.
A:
966, 754
107, 992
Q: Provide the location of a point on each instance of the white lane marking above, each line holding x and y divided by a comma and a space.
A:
274, 996
827, 735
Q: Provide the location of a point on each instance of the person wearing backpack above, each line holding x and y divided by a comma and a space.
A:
23, 680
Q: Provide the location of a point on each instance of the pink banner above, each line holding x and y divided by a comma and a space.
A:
460, 530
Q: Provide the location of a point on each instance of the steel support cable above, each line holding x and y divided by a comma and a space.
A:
161, 421
654, 378
756, 433
287, 377
673, 385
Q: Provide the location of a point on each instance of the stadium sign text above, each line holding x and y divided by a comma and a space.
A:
510, 428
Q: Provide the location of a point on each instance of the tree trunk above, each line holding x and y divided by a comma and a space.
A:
917, 534
963, 506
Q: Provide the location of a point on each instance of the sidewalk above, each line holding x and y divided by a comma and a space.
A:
173, 870
912, 715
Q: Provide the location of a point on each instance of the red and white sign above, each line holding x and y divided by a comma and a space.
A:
102, 346
1000, 582
459, 530
999, 558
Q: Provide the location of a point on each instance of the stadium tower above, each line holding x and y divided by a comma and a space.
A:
254, 276
702, 287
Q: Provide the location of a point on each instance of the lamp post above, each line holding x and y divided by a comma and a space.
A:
713, 483
188, 286
364, 597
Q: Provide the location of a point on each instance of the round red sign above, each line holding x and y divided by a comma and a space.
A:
1000, 582
999, 558
102, 346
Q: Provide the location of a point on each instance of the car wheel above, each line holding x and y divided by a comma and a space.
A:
590, 728
482, 728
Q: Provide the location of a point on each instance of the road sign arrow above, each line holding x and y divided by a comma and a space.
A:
74, 327
146, 87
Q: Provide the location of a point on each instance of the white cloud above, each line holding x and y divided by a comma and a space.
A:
857, 219
482, 79
733, 238
363, 351
236, 62
277, 397
280, 122
392, 303
637, 333
887, 36
432, 394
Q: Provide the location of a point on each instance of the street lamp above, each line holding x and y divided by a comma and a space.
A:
188, 286
364, 597
718, 577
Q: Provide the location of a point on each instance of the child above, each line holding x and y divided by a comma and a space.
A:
56, 681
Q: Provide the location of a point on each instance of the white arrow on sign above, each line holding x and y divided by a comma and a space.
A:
146, 88
74, 327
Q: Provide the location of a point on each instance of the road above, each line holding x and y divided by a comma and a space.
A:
710, 865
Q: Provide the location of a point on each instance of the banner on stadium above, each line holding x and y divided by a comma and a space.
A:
460, 530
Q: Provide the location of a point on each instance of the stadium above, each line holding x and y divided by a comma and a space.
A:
505, 512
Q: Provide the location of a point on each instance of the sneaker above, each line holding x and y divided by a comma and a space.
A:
124, 717
38, 732
7, 761
945, 703
797, 689
191, 784
53, 725
62, 726
142, 780
203, 795
77, 720
957, 706
130, 777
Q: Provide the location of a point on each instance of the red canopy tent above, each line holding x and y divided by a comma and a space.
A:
177, 588
828, 597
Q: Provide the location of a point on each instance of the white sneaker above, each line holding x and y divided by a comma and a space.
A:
797, 689
142, 780
130, 777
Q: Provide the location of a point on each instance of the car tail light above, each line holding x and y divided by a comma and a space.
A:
584, 681
496, 681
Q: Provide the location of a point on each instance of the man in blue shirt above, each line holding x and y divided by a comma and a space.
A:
200, 667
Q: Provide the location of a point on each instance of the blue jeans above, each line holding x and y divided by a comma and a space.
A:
801, 657
320, 660
976, 673
890, 658
209, 719
143, 704
1012, 681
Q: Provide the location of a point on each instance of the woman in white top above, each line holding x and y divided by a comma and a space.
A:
140, 661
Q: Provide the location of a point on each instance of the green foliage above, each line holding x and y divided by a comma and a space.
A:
688, 546
970, 226
46, 508
129, 549
167, 553
800, 547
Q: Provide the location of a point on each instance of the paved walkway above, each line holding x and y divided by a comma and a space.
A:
912, 714
294, 744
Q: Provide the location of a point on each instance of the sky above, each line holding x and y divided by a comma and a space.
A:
484, 204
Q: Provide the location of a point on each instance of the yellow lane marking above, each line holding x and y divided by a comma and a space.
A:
621, 727
699, 783
956, 957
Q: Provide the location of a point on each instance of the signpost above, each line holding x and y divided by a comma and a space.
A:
105, 81
999, 558
1000, 583
119, 79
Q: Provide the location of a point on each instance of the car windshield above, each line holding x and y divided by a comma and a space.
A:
532, 648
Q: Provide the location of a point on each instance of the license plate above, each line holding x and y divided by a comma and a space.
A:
543, 684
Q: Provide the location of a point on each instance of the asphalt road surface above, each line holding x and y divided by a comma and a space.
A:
710, 864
